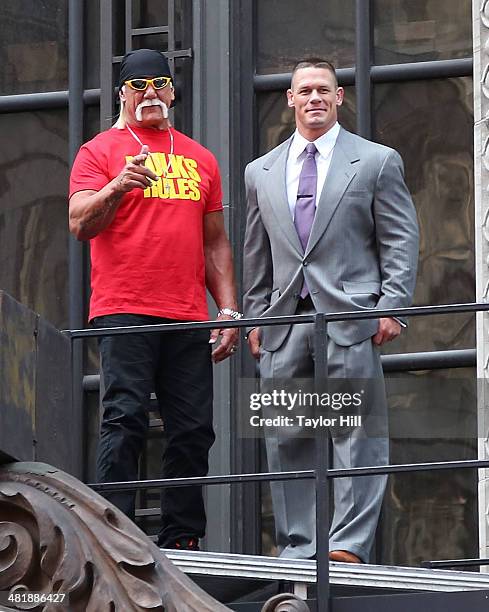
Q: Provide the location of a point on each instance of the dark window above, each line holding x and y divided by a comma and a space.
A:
92, 44
431, 515
436, 143
288, 31
34, 212
149, 13
418, 30
33, 46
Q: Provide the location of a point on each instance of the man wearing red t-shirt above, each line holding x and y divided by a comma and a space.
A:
149, 200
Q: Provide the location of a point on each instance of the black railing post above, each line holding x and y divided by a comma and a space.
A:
322, 484
75, 248
363, 61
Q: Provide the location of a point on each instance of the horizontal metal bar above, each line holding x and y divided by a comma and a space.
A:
429, 360
153, 30
147, 512
168, 327
423, 70
409, 467
201, 480
455, 563
179, 54
379, 74
154, 423
402, 362
298, 475
169, 54
44, 100
356, 315
91, 382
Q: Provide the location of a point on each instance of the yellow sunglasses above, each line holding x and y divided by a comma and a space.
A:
142, 84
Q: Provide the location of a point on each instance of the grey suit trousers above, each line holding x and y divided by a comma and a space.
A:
357, 501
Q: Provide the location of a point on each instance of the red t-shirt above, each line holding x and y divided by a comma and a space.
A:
150, 259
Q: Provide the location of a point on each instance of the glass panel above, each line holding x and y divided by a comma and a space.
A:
435, 142
431, 515
183, 24
149, 13
151, 41
418, 30
182, 111
33, 212
428, 516
92, 45
276, 119
286, 34
33, 46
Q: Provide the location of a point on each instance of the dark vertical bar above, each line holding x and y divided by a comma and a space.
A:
246, 524
171, 47
171, 25
106, 77
128, 26
322, 485
75, 248
186, 74
363, 82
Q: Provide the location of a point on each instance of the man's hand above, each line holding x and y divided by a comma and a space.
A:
92, 211
254, 342
388, 330
229, 340
135, 175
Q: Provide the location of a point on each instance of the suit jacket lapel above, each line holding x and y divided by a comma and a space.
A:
276, 188
340, 174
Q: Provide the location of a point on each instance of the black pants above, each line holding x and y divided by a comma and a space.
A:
177, 366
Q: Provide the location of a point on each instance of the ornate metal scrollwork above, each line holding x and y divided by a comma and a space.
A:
285, 602
58, 536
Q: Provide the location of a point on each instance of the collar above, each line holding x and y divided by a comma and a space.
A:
324, 144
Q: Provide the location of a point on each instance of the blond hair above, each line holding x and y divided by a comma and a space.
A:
120, 123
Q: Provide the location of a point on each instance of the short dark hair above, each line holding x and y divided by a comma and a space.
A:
315, 62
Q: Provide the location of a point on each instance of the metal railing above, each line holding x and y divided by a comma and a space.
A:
322, 473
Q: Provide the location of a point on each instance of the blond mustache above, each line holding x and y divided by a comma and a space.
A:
152, 102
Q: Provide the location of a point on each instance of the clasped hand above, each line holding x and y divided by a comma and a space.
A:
135, 175
229, 340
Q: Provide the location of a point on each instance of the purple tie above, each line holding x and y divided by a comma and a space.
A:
305, 207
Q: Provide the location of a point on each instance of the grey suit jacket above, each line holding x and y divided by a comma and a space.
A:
363, 247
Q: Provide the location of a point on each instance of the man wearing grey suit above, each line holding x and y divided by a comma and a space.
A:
331, 227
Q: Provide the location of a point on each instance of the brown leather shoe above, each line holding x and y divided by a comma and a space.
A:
343, 556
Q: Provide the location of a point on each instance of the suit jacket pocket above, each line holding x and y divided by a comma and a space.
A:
357, 287
358, 193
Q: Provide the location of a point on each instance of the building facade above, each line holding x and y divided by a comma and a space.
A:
407, 70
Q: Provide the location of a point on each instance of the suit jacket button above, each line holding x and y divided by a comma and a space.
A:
304, 263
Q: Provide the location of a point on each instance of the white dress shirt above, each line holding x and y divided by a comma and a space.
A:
325, 145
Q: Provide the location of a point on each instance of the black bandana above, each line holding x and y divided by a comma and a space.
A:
143, 63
